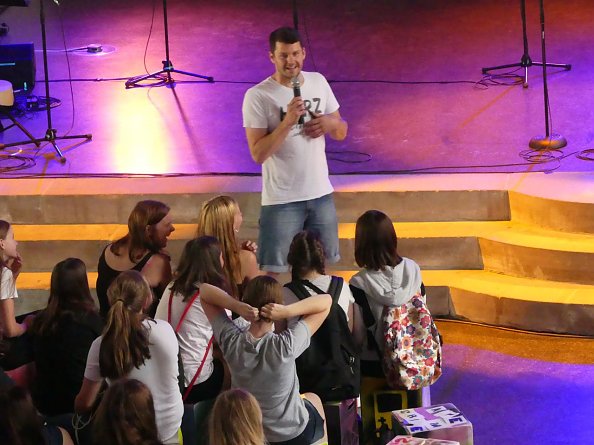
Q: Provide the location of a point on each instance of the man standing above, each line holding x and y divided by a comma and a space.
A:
296, 190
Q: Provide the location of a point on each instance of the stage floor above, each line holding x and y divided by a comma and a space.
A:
405, 122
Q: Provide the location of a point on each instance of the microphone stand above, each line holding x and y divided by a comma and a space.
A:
525, 62
164, 75
548, 141
50, 134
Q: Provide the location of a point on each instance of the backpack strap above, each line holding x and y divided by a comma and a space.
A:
191, 385
368, 318
182, 318
299, 288
334, 289
186, 309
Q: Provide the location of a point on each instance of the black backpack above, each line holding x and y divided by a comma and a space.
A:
329, 367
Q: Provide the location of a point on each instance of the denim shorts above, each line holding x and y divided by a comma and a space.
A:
314, 430
281, 222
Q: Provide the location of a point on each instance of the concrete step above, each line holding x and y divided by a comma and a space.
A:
500, 246
476, 295
501, 300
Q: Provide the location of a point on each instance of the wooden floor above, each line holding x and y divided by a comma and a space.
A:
407, 75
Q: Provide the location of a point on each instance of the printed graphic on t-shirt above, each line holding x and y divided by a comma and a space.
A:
311, 106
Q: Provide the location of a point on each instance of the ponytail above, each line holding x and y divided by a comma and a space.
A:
125, 343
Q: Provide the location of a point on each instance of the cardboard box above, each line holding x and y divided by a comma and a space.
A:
444, 422
410, 440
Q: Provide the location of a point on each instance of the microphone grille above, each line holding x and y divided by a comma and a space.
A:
295, 82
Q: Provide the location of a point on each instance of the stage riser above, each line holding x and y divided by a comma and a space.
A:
529, 315
115, 209
553, 214
542, 264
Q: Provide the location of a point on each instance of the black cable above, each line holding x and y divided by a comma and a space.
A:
73, 107
148, 39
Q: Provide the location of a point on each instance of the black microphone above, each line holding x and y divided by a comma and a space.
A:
297, 93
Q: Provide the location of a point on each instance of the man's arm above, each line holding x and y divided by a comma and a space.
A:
263, 144
332, 124
314, 310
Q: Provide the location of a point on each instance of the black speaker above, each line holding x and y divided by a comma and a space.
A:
17, 65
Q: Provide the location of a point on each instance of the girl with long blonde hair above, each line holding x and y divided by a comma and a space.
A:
236, 407
221, 217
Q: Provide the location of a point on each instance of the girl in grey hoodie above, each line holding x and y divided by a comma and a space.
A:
386, 278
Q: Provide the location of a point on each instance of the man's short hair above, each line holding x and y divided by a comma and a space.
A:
285, 34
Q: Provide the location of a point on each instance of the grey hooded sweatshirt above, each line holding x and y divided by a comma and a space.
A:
390, 286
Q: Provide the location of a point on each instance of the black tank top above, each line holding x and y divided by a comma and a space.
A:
106, 275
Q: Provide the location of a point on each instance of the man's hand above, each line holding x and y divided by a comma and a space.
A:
319, 125
250, 246
295, 109
274, 312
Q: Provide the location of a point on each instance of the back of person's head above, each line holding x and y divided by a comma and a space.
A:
20, 423
376, 244
125, 339
217, 218
262, 290
144, 216
200, 263
69, 295
306, 254
236, 419
126, 415
284, 35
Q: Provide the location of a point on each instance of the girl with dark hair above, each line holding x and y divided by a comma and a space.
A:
200, 263
307, 260
126, 416
19, 347
386, 278
134, 346
62, 335
142, 249
221, 217
20, 424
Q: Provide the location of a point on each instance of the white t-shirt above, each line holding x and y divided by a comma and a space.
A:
298, 171
7, 285
159, 373
194, 334
323, 282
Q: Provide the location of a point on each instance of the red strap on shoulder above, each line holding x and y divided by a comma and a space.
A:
191, 385
186, 309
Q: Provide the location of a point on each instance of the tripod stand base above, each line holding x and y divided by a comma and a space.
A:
552, 142
163, 77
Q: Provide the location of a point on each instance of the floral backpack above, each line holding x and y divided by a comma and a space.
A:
411, 357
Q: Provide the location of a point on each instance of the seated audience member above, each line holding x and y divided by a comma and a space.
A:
135, 346
62, 335
236, 419
180, 306
307, 261
19, 349
263, 362
330, 365
221, 217
142, 249
386, 278
20, 424
126, 416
